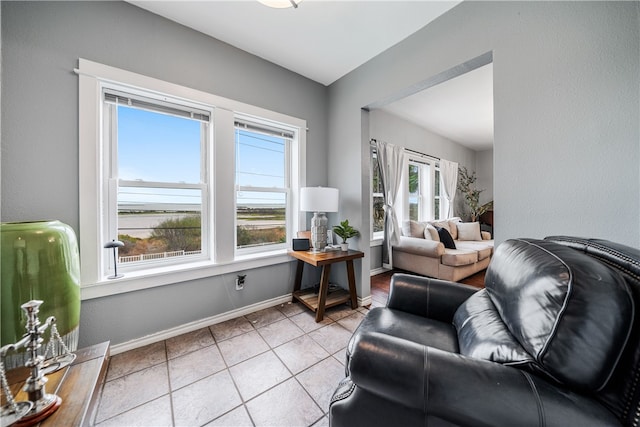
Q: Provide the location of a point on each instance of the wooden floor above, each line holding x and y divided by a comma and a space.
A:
380, 285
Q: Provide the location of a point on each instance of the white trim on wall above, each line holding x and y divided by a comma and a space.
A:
198, 324
223, 259
209, 321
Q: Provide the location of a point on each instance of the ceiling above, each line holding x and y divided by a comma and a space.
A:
460, 109
322, 40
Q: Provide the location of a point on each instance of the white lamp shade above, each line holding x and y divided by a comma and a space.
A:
319, 199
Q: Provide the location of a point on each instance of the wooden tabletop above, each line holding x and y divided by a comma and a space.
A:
318, 259
78, 385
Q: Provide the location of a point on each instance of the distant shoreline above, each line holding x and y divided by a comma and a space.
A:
140, 225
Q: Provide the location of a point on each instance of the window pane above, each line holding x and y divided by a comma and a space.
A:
158, 223
261, 218
376, 181
158, 147
413, 208
414, 180
260, 160
437, 183
377, 197
378, 213
414, 192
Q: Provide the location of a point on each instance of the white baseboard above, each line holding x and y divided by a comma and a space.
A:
377, 271
364, 301
203, 323
198, 324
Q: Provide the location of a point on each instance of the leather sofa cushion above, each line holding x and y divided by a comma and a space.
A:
483, 335
570, 313
457, 257
407, 326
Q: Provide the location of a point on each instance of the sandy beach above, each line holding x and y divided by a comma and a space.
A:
141, 225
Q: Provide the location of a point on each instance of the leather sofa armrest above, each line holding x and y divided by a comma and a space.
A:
432, 298
465, 391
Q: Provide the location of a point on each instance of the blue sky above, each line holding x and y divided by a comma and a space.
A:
157, 147
164, 148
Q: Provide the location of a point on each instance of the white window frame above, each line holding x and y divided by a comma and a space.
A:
422, 185
113, 182
222, 258
375, 235
286, 190
443, 200
426, 199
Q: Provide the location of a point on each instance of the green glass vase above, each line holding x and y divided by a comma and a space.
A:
40, 261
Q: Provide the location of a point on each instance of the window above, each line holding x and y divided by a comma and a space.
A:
155, 177
414, 191
437, 201
262, 185
172, 172
377, 198
423, 189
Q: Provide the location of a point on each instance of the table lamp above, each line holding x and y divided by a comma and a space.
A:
319, 200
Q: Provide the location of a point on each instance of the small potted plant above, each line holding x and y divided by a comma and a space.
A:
345, 231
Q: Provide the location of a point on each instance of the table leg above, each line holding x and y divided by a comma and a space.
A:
352, 284
322, 292
297, 284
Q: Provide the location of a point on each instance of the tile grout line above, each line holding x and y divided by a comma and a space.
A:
335, 319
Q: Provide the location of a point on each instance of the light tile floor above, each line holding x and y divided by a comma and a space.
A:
275, 367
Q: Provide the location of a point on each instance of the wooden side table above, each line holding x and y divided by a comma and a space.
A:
323, 299
79, 385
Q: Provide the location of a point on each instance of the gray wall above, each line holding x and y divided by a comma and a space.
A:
375, 258
566, 113
41, 44
484, 170
396, 130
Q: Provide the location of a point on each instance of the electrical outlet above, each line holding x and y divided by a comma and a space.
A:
240, 282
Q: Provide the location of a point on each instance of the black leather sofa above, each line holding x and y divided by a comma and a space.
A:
552, 340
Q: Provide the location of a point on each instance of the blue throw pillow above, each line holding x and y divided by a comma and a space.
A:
445, 238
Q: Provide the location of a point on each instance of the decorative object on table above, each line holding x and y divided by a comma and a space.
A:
301, 245
40, 404
345, 231
319, 200
114, 244
466, 185
40, 261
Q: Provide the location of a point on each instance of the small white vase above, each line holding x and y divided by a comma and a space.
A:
344, 247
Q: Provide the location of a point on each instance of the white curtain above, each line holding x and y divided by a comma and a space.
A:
449, 174
391, 161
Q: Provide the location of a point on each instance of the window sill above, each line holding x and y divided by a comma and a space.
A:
161, 276
376, 242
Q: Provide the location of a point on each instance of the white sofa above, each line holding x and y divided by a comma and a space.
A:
421, 250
